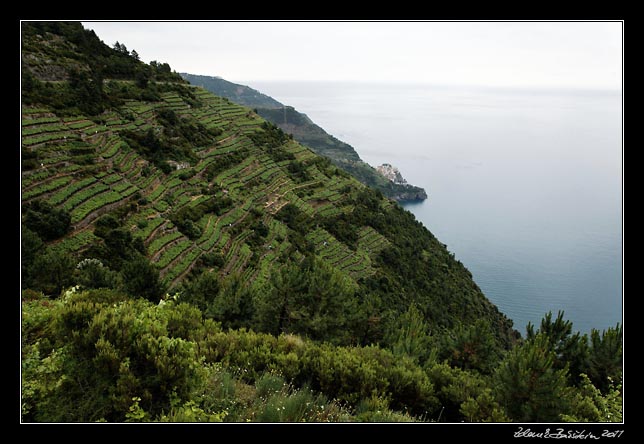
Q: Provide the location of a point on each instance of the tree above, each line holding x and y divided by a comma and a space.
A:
53, 271
605, 360
202, 290
590, 405
410, 335
311, 299
120, 48
135, 55
142, 77
161, 69
483, 408
570, 349
276, 299
471, 347
454, 387
141, 279
528, 385
369, 325
233, 306
118, 244
45, 220
91, 273
87, 91
31, 247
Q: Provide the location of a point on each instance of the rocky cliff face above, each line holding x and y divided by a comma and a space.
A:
410, 196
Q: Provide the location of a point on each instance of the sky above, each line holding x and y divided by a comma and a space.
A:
585, 55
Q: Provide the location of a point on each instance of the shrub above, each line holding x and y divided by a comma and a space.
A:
45, 220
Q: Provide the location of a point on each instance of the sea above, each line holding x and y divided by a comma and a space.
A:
525, 186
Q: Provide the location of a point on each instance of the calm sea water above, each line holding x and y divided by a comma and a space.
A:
525, 187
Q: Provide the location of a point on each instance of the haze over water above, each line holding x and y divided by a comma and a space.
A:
525, 186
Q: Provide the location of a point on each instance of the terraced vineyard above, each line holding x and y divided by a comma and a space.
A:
147, 165
156, 210
89, 169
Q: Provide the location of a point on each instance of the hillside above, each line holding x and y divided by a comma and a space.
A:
308, 133
185, 260
240, 94
190, 174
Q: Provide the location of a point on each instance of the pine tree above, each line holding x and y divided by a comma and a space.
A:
410, 335
233, 306
605, 361
310, 299
528, 385
471, 347
570, 349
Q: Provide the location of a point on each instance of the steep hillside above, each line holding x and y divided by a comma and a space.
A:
185, 260
305, 131
199, 184
240, 94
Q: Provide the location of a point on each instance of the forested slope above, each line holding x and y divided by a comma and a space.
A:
183, 259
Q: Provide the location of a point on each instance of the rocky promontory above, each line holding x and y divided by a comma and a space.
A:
392, 173
404, 191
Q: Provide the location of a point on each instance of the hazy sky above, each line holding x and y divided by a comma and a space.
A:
531, 54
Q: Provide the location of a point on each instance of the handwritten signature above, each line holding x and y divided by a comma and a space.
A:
566, 434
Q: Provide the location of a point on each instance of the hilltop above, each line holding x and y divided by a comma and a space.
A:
185, 260
308, 133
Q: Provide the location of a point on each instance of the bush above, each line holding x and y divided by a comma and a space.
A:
376, 409
91, 273
590, 405
299, 406
45, 220
52, 272
141, 279
269, 384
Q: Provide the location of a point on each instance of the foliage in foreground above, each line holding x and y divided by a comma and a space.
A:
401, 332
100, 355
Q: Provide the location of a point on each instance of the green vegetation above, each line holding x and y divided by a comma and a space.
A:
100, 355
240, 94
80, 58
45, 220
308, 133
179, 137
185, 260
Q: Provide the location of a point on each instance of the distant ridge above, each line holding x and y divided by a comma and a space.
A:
305, 131
240, 94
